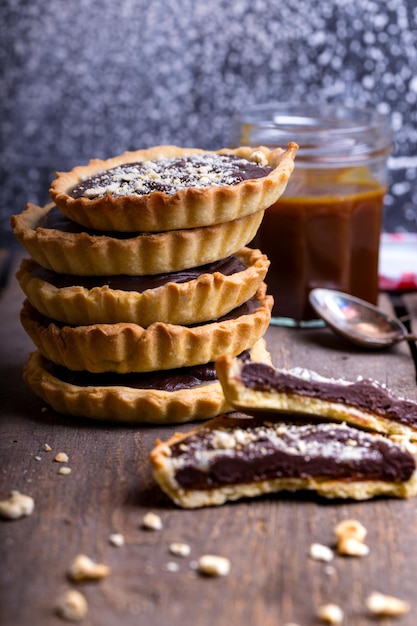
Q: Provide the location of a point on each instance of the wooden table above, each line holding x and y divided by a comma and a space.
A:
272, 580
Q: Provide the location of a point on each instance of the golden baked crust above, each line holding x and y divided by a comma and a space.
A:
126, 347
187, 208
128, 404
286, 401
86, 254
229, 436
207, 297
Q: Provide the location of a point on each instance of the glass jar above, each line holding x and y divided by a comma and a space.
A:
325, 229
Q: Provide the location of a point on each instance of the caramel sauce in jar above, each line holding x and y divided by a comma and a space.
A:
318, 240
325, 229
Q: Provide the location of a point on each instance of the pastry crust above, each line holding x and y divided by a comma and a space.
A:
187, 208
223, 433
86, 254
207, 297
250, 400
125, 347
127, 404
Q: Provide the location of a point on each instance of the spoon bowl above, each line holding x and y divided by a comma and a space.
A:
358, 321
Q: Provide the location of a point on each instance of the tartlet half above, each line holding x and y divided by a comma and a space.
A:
120, 402
205, 204
126, 347
364, 403
211, 294
72, 250
235, 456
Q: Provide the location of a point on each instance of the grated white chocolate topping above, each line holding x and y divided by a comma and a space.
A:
169, 175
310, 441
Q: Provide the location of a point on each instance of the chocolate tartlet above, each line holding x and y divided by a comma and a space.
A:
365, 403
159, 397
236, 456
64, 247
186, 297
169, 188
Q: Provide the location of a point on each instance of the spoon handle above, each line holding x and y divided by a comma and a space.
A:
407, 337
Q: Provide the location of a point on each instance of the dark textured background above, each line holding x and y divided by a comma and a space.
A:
82, 79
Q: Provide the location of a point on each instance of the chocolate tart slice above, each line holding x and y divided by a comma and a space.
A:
365, 403
63, 246
170, 188
173, 396
185, 297
126, 347
235, 456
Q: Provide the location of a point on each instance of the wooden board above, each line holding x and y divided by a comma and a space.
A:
272, 580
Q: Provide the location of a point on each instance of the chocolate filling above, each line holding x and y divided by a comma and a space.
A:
55, 220
169, 175
229, 266
364, 394
266, 451
166, 380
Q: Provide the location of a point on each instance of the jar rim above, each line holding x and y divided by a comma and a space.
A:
327, 130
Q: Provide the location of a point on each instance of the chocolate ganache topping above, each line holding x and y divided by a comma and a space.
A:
228, 266
366, 394
256, 450
169, 175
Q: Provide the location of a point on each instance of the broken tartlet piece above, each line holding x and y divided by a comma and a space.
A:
160, 397
236, 456
364, 403
168, 188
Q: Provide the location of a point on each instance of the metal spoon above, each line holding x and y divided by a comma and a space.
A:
357, 320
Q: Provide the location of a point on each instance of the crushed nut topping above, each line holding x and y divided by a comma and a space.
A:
16, 506
83, 568
170, 175
72, 606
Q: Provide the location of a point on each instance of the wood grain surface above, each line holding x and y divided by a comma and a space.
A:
272, 580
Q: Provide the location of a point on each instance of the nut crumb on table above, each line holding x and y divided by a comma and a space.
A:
16, 506
213, 565
83, 568
319, 552
72, 606
61, 457
152, 521
383, 605
330, 614
350, 535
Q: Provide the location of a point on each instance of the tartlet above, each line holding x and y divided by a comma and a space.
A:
123, 403
211, 294
236, 456
363, 403
125, 347
77, 251
110, 206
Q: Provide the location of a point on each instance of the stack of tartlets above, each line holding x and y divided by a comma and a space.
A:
140, 278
